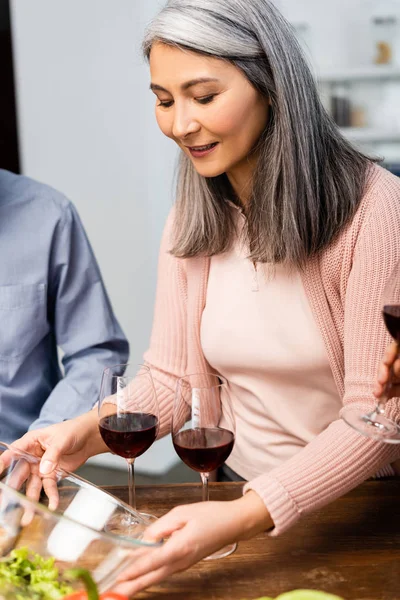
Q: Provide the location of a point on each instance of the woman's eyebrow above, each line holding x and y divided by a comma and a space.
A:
184, 86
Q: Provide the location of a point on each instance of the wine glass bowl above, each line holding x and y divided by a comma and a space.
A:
204, 449
128, 420
391, 316
376, 424
129, 434
203, 428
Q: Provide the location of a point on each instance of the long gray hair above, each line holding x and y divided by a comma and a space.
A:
309, 180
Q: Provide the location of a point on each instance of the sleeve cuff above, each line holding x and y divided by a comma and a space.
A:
282, 508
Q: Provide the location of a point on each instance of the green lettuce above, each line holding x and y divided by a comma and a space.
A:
26, 576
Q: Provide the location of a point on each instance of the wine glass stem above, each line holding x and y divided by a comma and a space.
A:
204, 479
131, 482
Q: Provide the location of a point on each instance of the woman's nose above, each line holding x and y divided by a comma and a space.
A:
184, 124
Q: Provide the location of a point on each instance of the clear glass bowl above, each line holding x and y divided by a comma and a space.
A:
77, 532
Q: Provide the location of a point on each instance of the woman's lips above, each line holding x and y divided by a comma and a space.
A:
200, 151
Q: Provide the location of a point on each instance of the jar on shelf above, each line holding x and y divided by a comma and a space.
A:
341, 105
385, 32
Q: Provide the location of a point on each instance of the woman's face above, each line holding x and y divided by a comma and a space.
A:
208, 107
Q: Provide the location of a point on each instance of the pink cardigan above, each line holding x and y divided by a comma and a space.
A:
344, 286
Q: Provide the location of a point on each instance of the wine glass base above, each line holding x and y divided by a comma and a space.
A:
375, 426
148, 518
222, 553
128, 526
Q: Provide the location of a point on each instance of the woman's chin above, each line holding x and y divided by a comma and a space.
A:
208, 171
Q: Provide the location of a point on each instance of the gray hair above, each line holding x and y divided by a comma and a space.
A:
309, 179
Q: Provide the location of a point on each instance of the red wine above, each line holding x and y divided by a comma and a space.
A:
205, 449
129, 434
391, 316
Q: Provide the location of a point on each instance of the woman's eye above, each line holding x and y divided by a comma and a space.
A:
206, 99
165, 103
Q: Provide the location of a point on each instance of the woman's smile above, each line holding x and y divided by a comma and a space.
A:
202, 151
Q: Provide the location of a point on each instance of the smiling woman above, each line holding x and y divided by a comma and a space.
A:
217, 117
266, 108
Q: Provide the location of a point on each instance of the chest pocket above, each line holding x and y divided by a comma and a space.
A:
23, 319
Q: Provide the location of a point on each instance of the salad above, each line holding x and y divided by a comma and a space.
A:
23, 576
27, 576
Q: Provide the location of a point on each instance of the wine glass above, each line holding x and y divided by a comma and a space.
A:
203, 428
128, 422
375, 424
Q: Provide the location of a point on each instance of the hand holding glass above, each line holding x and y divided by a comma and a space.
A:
376, 424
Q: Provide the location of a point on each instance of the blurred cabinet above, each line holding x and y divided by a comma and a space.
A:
373, 97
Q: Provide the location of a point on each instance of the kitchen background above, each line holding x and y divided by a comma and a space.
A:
86, 126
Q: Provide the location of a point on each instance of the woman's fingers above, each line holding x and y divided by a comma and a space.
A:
133, 587
34, 487
28, 444
391, 360
50, 459
33, 490
170, 553
390, 354
5, 460
383, 374
51, 491
18, 474
165, 526
388, 371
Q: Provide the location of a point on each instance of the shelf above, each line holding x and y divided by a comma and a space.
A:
372, 73
360, 134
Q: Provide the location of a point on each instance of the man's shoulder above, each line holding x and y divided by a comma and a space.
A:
27, 193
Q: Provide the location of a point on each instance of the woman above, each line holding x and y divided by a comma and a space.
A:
271, 269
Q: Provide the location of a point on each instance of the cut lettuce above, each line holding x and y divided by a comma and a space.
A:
30, 576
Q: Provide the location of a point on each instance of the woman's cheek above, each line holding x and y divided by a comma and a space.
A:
225, 121
164, 124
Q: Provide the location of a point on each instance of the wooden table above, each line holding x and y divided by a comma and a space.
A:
350, 548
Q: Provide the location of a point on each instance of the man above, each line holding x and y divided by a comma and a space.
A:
51, 295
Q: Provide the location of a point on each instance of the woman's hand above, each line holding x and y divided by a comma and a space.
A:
390, 359
65, 445
194, 531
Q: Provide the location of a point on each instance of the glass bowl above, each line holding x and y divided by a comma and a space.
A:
77, 532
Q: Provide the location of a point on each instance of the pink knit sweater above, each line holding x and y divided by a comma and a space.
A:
344, 286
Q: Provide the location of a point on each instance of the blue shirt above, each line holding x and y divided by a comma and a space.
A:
51, 294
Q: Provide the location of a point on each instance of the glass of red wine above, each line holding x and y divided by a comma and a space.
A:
203, 428
376, 424
128, 422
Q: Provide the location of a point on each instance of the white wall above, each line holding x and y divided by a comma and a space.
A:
339, 29
86, 125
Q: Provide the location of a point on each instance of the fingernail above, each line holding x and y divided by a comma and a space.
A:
46, 467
